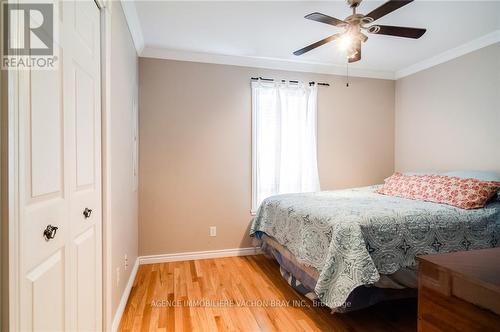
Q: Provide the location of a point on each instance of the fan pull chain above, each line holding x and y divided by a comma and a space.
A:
347, 66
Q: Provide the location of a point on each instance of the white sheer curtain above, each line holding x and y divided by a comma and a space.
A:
284, 140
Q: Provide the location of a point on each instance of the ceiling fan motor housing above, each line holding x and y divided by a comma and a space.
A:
356, 22
353, 3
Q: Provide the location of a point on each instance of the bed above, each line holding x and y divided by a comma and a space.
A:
345, 245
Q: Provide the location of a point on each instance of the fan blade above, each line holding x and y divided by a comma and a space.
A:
316, 44
318, 17
357, 55
387, 8
405, 32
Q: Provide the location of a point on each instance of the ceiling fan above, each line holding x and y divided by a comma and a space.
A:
352, 37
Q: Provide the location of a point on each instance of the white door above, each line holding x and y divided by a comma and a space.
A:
60, 179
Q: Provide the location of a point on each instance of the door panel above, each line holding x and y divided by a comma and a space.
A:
85, 25
46, 133
43, 201
85, 128
85, 162
45, 282
86, 271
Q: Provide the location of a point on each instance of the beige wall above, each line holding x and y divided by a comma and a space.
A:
448, 116
122, 199
195, 148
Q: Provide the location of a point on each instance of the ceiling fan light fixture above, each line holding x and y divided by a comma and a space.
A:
374, 29
351, 53
352, 38
346, 41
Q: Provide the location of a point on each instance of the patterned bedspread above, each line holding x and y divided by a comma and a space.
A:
351, 236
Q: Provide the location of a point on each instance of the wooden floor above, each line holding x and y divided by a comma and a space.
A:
242, 294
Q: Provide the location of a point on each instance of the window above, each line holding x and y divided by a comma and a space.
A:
283, 140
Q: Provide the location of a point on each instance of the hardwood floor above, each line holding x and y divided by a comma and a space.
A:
242, 294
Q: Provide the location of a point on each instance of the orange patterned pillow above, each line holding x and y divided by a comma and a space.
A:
451, 190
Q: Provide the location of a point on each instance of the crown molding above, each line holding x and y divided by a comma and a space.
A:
261, 62
133, 23
134, 26
476, 44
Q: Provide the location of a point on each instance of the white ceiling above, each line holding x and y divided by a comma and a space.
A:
273, 30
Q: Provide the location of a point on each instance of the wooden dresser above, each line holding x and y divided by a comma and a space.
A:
459, 291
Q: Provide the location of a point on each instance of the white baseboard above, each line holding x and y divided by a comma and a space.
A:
124, 298
188, 256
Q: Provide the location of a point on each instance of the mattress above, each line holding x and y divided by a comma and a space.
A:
302, 278
353, 237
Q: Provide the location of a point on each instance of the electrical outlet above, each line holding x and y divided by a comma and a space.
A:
125, 262
117, 276
213, 231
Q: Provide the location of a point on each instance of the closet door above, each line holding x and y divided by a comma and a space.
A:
82, 100
59, 177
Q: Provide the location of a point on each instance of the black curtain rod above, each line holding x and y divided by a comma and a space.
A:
295, 82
